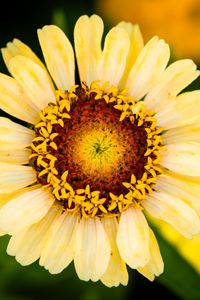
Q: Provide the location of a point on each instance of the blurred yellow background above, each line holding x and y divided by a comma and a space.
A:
178, 22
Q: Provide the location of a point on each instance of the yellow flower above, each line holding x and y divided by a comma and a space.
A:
178, 22
75, 183
189, 249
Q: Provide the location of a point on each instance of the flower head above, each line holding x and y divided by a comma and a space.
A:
76, 182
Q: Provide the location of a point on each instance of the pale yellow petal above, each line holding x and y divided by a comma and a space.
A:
14, 177
155, 266
116, 272
58, 251
148, 67
183, 158
16, 156
175, 78
59, 56
184, 110
180, 186
88, 33
92, 249
25, 210
174, 211
16, 47
6, 197
27, 245
34, 80
15, 101
133, 238
112, 63
136, 45
14, 136
183, 134
2, 233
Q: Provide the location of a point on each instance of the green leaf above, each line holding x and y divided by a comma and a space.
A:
59, 19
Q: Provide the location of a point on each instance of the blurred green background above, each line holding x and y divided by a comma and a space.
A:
181, 279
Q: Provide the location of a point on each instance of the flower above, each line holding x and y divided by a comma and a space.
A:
76, 181
188, 249
177, 22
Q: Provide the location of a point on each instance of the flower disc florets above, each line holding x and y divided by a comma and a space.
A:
97, 149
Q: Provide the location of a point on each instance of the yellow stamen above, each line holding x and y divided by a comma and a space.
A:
84, 201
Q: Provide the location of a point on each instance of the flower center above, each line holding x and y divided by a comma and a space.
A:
98, 151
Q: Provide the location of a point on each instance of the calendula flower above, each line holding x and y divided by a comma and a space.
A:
76, 183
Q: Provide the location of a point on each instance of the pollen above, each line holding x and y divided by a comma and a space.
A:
97, 150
